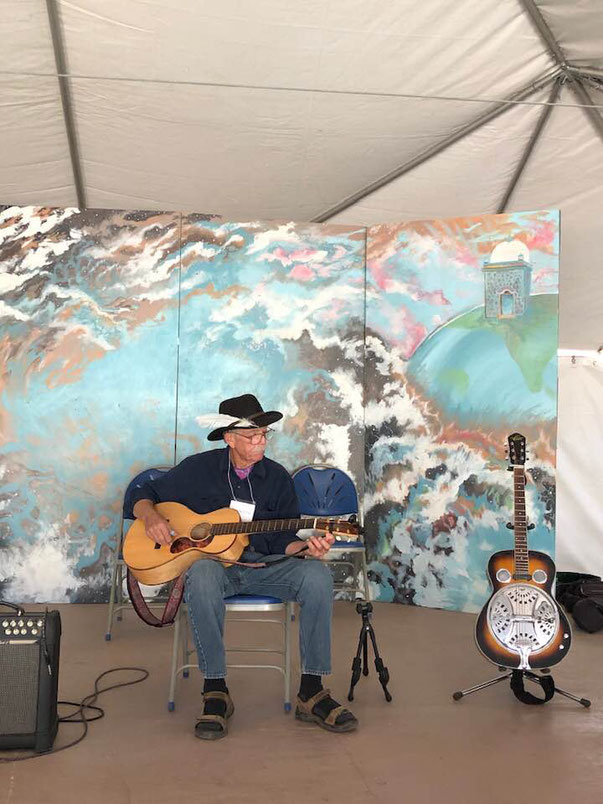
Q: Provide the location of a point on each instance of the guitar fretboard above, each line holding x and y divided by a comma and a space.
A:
520, 525
265, 526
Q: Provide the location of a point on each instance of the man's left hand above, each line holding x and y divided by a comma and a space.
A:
319, 546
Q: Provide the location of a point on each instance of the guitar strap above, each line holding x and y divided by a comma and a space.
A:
144, 612
546, 682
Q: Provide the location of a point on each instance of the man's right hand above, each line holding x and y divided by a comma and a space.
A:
157, 528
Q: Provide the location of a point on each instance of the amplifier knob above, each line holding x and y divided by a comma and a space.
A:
12, 623
34, 630
20, 623
4, 623
40, 623
24, 631
7, 631
29, 623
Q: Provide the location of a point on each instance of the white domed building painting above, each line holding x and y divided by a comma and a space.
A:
507, 280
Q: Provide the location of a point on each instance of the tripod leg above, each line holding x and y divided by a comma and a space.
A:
582, 701
381, 669
461, 693
365, 669
356, 663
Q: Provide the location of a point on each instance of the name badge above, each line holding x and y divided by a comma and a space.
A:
245, 509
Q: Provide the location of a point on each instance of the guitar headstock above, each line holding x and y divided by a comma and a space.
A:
340, 528
517, 450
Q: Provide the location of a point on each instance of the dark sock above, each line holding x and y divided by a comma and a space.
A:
215, 685
215, 707
308, 687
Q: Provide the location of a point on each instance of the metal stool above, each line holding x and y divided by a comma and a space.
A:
238, 604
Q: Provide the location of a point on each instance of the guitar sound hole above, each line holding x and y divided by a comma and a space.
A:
201, 535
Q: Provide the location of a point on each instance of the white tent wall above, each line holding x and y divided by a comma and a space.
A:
291, 111
35, 155
579, 478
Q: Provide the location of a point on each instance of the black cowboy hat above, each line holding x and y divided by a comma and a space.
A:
247, 410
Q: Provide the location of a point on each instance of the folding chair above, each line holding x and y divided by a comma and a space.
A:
238, 604
117, 602
324, 490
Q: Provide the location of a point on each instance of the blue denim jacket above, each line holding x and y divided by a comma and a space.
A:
201, 483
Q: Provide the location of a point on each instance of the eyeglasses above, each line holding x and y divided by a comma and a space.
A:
255, 438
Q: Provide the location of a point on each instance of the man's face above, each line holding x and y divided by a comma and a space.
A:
247, 446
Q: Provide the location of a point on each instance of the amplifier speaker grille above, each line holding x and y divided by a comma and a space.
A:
19, 674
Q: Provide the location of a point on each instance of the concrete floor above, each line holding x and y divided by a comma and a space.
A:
422, 747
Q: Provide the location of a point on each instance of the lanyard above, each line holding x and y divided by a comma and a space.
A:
234, 496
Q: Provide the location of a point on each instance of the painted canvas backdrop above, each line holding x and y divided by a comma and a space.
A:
119, 328
89, 313
445, 385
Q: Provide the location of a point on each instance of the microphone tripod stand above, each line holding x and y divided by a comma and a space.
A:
366, 631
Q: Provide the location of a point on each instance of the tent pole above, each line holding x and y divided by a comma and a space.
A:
544, 116
595, 72
545, 32
584, 98
59, 59
434, 150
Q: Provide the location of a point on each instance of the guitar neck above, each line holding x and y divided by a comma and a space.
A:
264, 526
520, 525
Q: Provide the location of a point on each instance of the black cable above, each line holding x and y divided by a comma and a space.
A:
86, 703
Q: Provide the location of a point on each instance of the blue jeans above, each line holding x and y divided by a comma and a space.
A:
307, 582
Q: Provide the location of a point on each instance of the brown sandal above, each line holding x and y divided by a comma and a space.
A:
304, 712
205, 727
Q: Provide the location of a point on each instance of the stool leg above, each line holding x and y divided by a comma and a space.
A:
120, 589
358, 577
111, 600
184, 640
365, 580
175, 646
288, 618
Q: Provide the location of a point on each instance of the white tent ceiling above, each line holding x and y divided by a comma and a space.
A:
353, 111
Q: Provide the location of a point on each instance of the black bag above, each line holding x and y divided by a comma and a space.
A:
582, 595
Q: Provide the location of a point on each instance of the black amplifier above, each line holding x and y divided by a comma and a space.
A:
29, 677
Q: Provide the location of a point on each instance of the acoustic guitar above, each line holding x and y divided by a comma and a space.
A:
521, 626
219, 534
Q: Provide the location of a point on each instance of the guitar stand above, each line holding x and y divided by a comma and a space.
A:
367, 631
518, 676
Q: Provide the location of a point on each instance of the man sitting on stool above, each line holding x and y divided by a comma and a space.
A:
240, 477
